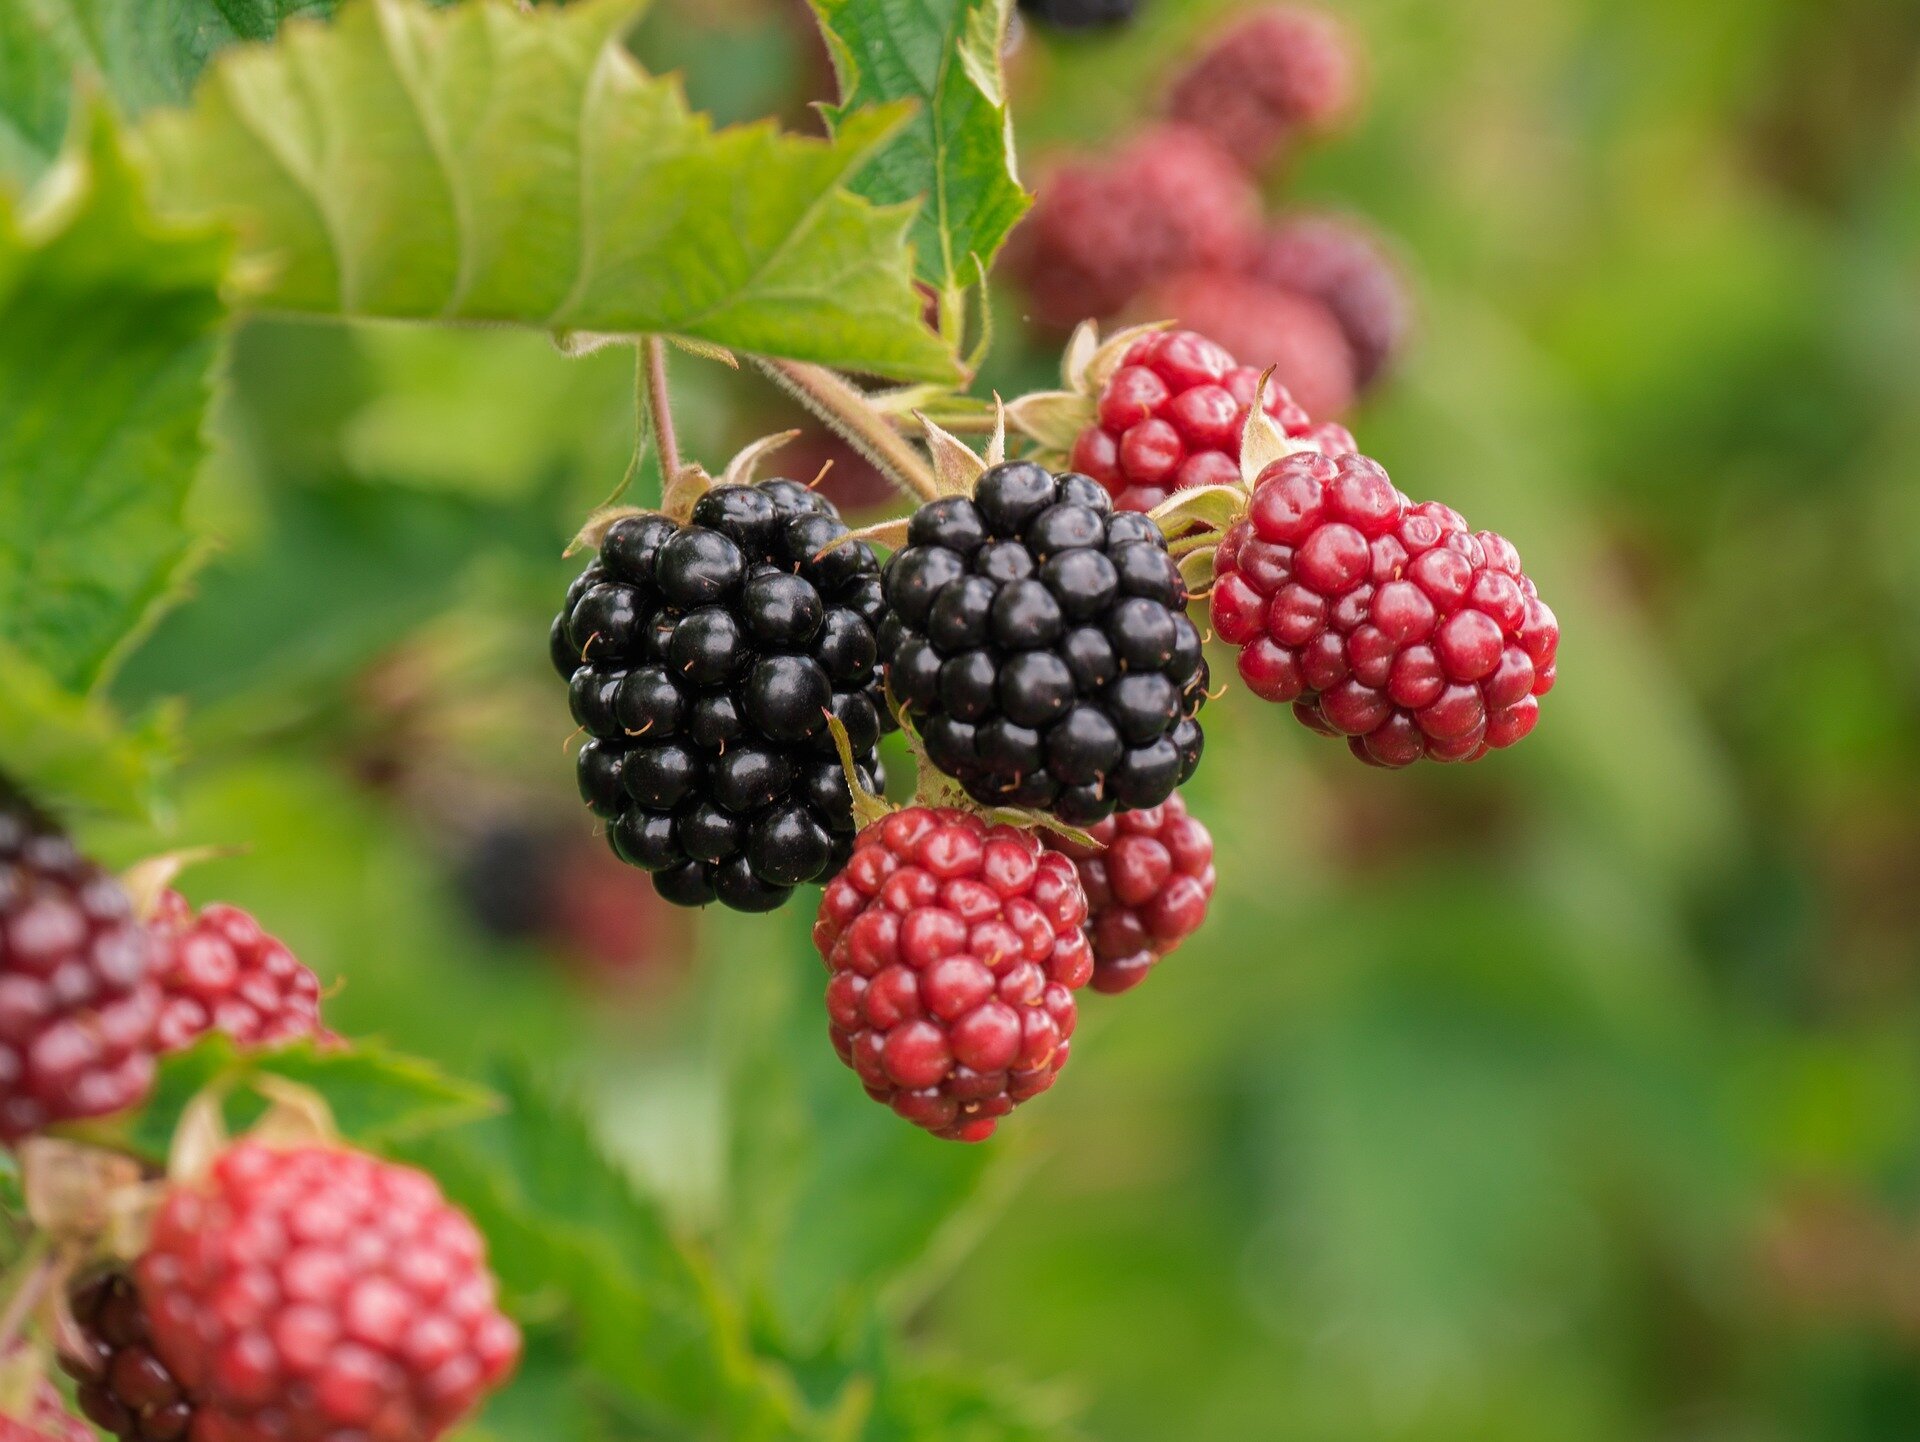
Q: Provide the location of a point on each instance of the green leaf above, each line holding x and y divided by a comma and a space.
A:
485, 164
834, 1201
34, 76
956, 152
572, 1240
379, 1098
149, 52
108, 322
69, 750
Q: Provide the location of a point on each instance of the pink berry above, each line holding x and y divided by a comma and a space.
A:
1268, 78
1389, 624
955, 948
1342, 264
1170, 419
220, 972
1102, 229
78, 999
323, 1274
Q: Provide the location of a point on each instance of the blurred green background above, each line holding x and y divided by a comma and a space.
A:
1573, 1095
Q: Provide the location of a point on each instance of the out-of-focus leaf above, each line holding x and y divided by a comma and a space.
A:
377, 1096
570, 1237
33, 97
69, 750
492, 165
340, 574
107, 330
956, 153
833, 1199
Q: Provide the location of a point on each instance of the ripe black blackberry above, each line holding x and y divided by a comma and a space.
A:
1040, 644
1080, 14
703, 658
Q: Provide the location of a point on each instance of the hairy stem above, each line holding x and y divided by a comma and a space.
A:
654, 364
841, 405
35, 1272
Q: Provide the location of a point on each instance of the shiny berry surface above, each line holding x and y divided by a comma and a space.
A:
314, 1293
955, 949
220, 972
1039, 642
1169, 419
121, 1385
78, 995
703, 662
1149, 880
1387, 623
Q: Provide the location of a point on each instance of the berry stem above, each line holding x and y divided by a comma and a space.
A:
35, 1273
654, 374
845, 407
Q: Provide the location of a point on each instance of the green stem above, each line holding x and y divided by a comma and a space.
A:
654, 378
35, 1272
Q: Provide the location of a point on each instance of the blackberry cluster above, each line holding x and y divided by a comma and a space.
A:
1170, 419
78, 995
316, 1294
122, 1386
1387, 623
704, 659
1040, 644
955, 949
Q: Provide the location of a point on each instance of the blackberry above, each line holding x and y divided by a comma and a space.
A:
219, 971
1080, 14
1039, 642
1387, 623
79, 996
317, 1294
955, 948
1344, 265
1104, 228
1148, 879
122, 1386
1169, 419
703, 659
1269, 78
1263, 324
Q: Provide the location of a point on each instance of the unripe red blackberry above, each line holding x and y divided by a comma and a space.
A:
78, 997
1264, 326
955, 948
312, 1294
1387, 623
1342, 264
1170, 417
1267, 79
1101, 230
1040, 644
703, 659
123, 1387
1148, 882
220, 972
